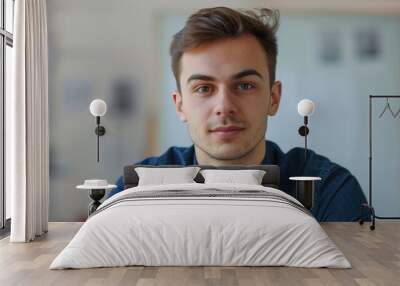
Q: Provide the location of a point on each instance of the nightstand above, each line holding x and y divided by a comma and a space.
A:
305, 190
97, 189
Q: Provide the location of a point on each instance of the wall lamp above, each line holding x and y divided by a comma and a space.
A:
98, 108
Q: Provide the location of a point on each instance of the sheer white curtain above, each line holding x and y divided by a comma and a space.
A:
27, 142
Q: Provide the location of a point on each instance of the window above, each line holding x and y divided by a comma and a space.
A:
6, 44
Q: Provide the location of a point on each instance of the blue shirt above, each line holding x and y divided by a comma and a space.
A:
338, 196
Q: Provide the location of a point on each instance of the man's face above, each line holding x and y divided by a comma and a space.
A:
225, 96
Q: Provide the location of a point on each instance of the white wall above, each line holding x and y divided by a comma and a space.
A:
92, 46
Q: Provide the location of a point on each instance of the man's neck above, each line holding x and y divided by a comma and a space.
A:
255, 157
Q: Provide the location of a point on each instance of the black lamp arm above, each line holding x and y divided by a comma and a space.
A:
99, 131
303, 131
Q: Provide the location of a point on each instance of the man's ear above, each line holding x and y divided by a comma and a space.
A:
276, 92
177, 98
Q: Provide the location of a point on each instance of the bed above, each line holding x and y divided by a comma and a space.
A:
201, 224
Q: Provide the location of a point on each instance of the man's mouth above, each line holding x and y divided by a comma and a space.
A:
226, 132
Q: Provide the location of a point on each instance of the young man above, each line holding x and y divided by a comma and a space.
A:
224, 64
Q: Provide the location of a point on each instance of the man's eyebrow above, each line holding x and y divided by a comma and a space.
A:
247, 73
200, 77
239, 75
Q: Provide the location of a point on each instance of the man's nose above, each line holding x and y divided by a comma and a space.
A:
225, 102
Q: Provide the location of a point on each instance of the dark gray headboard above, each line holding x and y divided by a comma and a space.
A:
270, 179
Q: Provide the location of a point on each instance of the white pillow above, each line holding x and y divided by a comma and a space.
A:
249, 177
162, 176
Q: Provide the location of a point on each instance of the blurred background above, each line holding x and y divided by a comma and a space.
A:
335, 53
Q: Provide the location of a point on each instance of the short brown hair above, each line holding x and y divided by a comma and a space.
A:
210, 24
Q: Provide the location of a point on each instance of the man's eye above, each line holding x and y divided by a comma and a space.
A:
203, 89
245, 86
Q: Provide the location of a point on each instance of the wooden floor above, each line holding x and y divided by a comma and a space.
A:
374, 255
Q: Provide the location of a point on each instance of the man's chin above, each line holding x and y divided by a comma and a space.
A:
228, 152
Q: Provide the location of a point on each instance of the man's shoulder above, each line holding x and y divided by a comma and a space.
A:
338, 195
172, 156
298, 154
315, 165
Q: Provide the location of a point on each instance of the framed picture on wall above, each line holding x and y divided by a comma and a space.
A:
368, 43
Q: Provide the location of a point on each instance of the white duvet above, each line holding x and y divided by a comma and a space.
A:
183, 231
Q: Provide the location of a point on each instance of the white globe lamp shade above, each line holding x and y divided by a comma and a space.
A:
305, 107
98, 107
